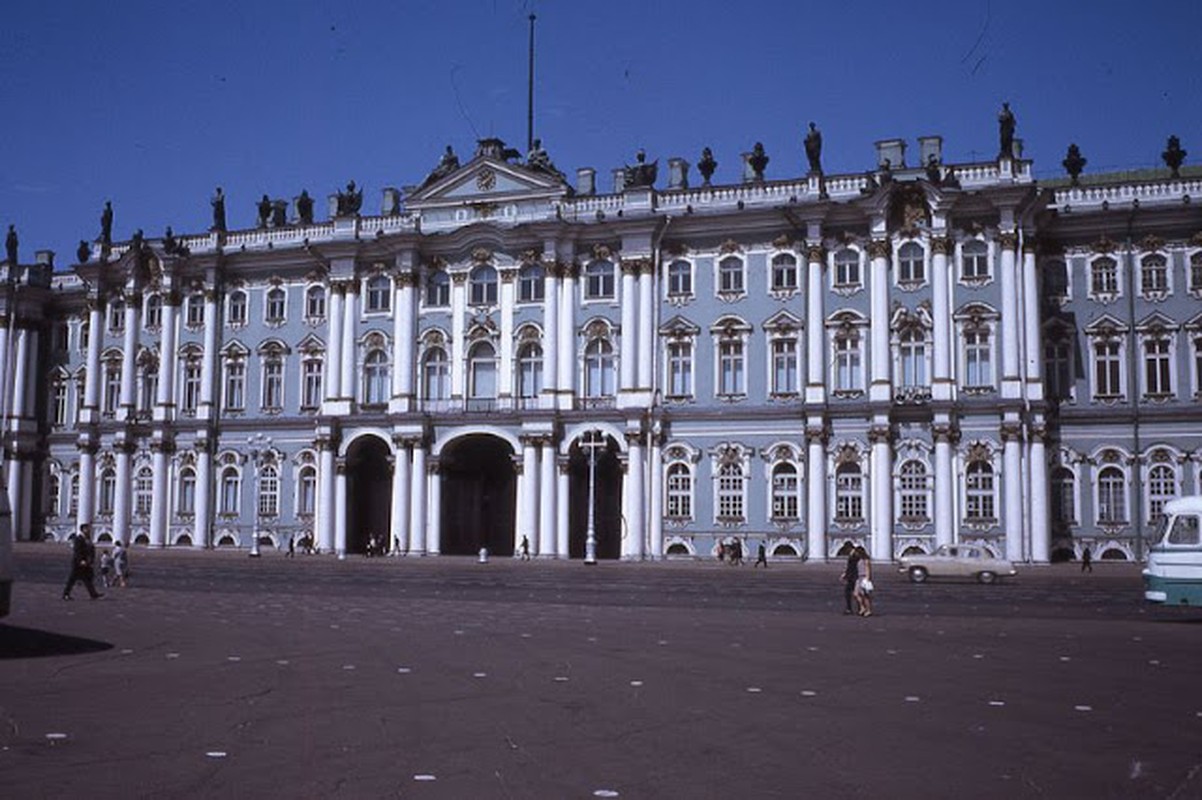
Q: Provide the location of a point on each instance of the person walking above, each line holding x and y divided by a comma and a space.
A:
83, 554
120, 564
525, 548
1087, 560
864, 586
106, 569
291, 546
761, 556
851, 574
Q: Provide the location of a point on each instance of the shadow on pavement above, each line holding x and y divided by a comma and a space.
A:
29, 643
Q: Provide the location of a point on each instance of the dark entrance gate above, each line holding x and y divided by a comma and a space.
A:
368, 493
607, 521
479, 491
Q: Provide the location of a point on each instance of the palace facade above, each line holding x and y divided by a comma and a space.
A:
899, 358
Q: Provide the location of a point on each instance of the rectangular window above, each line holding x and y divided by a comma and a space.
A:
112, 388
680, 369
315, 303
273, 385
978, 371
1157, 367
531, 286
237, 308
1107, 370
784, 494
235, 386
60, 403
191, 387
1104, 279
730, 368
311, 392
680, 279
847, 364
195, 310
730, 276
784, 366
730, 494
680, 492
1058, 370
784, 273
849, 500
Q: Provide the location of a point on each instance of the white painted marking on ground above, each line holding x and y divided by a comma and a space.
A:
592, 638
812, 649
525, 636
423, 777
891, 652
458, 633
636, 683
126, 652
56, 737
403, 670
283, 662
1065, 658
662, 642
1083, 708
479, 674
334, 627
978, 655
215, 754
912, 698
561, 678
1155, 662
808, 693
233, 658
997, 703
605, 793
173, 655
348, 666
754, 689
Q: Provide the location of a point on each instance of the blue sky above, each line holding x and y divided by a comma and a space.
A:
153, 104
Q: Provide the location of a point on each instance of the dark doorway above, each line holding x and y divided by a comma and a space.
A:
607, 520
479, 493
368, 493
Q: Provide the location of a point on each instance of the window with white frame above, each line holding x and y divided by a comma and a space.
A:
849, 493
1108, 368
1158, 366
1195, 272
914, 487
436, 374
1058, 365
912, 357
81, 384
599, 280
152, 318
112, 386
847, 269
978, 357
979, 492
1104, 278
530, 370
680, 368
847, 360
730, 276
1162, 487
438, 289
784, 273
680, 279
148, 382
273, 382
58, 403
85, 331
236, 305
482, 286
378, 299
185, 500
1197, 359
306, 498
482, 371
599, 369
73, 495
1064, 497
234, 396
784, 366
729, 494
311, 381
194, 310
1055, 280
974, 261
532, 283
143, 492
116, 315
376, 376
679, 491
276, 308
190, 383
231, 488
732, 377
1112, 496
315, 303
108, 490
786, 501
1154, 276
269, 491
911, 264
54, 496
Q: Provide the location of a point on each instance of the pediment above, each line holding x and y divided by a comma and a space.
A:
1106, 324
487, 179
679, 327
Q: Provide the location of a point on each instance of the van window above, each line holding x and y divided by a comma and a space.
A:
1185, 530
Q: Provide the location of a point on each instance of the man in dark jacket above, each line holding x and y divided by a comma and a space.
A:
83, 555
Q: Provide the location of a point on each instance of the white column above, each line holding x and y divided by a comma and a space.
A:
1040, 529
815, 331
20, 368
202, 530
528, 490
506, 387
1008, 241
548, 501
1012, 486
646, 319
656, 489
551, 342
567, 337
16, 491
167, 355
208, 364
8, 389
325, 496
816, 491
340, 507
626, 367
129, 356
160, 496
941, 246
434, 532
400, 497
633, 546
333, 377
879, 323
458, 332
417, 501
561, 509
350, 318
91, 391
882, 494
87, 485
1031, 320
945, 484
403, 342
121, 501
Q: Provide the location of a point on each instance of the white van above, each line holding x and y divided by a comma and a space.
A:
1174, 572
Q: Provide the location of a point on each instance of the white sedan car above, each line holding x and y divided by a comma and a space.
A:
957, 561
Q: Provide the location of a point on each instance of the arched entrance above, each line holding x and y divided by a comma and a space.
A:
368, 493
607, 522
479, 491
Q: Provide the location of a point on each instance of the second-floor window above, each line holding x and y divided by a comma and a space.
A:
315, 303
974, 261
784, 366
531, 284
1154, 275
1108, 369
379, 295
277, 307
784, 273
483, 286
680, 369
1158, 373
732, 377
1104, 277
235, 386
311, 374
273, 384
237, 308
438, 289
730, 276
911, 264
599, 280
680, 279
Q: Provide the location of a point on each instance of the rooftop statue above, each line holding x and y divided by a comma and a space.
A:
10, 247
706, 166
106, 223
1006, 125
758, 161
1174, 156
304, 208
934, 174
83, 252
1073, 163
813, 145
538, 159
218, 203
350, 201
642, 174
170, 245
263, 207
446, 165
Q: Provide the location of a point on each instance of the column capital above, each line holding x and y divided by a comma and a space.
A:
1012, 431
945, 432
1030, 245
508, 274
406, 278
879, 248
880, 433
942, 245
631, 266
567, 269
433, 468
817, 433
634, 438
816, 253
1007, 240
459, 278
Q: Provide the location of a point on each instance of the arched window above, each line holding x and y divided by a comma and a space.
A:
849, 493
436, 375
599, 369
784, 273
911, 264
231, 487
236, 304
730, 276
599, 280
1162, 487
73, 497
375, 377
913, 488
269, 491
531, 284
315, 303
1064, 497
143, 492
483, 286
530, 370
978, 484
974, 261
154, 312
1154, 275
108, 490
54, 497
847, 269
438, 289
185, 504
379, 295
306, 500
680, 279
1112, 497
679, 504
194, 310
1104, 276
482, 371
277, 306
785, 501
729, 494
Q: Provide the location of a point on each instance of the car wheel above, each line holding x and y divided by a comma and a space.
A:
986, 576
917, 575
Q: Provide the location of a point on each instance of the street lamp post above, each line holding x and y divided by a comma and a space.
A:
258, 446
592, 440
